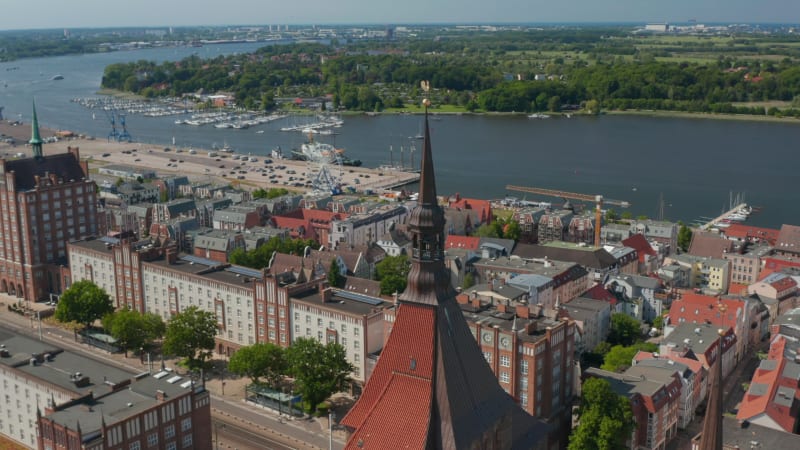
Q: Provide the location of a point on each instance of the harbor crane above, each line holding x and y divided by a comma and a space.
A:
115, 134
599, 201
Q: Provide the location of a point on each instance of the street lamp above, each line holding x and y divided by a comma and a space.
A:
217, 425
330, 429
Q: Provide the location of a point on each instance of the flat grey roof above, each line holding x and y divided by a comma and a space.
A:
339, 303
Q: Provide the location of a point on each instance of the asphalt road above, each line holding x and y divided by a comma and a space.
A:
227, 435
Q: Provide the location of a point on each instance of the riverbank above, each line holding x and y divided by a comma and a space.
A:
712, 116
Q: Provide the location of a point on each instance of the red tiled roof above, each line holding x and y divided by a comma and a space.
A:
754, 405
737, 289
395, 422
465, 242
693, 364
483, 207
777, 264
698, 308
413, 329
639, 243
599, 292
747, 232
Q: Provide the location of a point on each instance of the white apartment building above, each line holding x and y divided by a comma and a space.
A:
353, 320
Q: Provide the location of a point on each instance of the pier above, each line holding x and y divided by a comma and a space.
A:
712, 222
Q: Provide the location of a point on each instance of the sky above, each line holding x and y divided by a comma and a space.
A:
17, 14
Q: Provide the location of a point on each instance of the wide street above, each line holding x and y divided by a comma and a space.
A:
245, 426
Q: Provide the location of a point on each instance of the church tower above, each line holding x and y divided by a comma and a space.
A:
36, 139
432, 387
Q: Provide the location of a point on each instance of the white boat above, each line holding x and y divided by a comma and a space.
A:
737, 217
538, 116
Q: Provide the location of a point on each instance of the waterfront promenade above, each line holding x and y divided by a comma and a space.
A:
221, 168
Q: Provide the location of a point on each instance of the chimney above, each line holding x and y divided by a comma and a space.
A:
523, 312
501, 307
475, 303
160, 396
327, 294
531, 327
171, 255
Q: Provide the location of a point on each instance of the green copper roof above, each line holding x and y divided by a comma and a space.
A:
36, 139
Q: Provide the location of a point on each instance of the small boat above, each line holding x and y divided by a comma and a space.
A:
260, 132
538, 116
57, 77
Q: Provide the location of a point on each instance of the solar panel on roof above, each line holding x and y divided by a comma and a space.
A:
199, 260
359, 297
245, 271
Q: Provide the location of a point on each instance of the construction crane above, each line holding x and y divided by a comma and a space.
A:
597, 199
115, 134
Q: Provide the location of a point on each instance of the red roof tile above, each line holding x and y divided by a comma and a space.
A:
698, 308
754, 405
465, 242
599, 292
788, 239
750, 233
413, 329
639, 243
737, 289
394, 421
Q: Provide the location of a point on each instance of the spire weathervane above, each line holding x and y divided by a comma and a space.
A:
36, 139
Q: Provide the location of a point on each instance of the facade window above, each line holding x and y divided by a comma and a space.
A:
524, 367
135, 446
171, 446
505, 361
504, 377
169, 432
187, 441
523, 399
488, 356
186, 424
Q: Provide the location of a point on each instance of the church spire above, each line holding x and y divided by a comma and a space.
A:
36, 139
711, 439
428, 280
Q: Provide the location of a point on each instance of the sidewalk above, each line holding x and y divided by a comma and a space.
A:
226, 400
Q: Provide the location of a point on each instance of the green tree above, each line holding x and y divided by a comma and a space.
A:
625, 330
684, 238
606, 418
190, 335
319, 370
392, 272
132, 329
487, 230
619, 357
626, 215
83, 302
262, 360
469, 281
554, 104
658, 322
335, 278
511, 230
611, 216
593, 107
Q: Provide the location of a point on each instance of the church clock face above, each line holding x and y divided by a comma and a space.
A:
504, 342
487, 337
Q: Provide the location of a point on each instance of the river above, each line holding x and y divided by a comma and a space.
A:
694, 163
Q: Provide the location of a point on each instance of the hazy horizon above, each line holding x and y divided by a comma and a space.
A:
179, 13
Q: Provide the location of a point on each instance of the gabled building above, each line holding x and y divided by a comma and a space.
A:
217, 245
182, 207
701, 342
710, 274
649, 260
773, 397
655, 404
646, 289
592, 319
432, 387
690, 372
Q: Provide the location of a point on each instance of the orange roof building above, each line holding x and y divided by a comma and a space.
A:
432, 387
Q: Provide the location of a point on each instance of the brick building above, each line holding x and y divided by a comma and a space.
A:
45, 201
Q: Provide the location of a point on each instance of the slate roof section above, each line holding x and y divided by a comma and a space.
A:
788, 239
709, 245
63, 165
595, 258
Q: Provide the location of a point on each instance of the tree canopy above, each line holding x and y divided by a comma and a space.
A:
335, 278
684, 238
606, 418
190, 335
625, 330
262, 360
392, 272
620, 357
132, 329
83, 302
319, 370
259, 257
